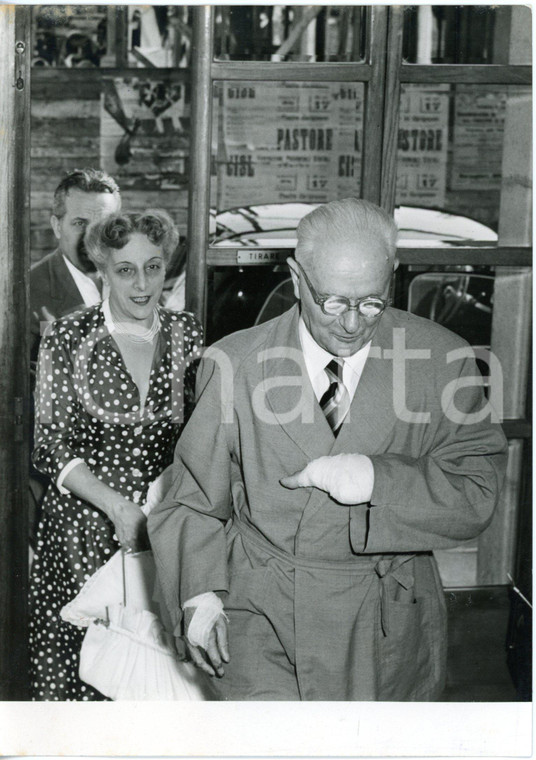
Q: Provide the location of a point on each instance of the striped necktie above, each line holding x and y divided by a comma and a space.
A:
335, 402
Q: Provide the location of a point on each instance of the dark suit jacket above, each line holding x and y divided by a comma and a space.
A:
51, 286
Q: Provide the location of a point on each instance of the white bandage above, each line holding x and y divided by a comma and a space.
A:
208, 608
348, 478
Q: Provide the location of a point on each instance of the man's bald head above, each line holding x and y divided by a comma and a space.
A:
343, 223
347, 249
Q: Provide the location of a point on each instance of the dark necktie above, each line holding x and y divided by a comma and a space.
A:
336, 401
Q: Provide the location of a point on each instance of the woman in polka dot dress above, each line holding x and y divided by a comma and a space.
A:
114, 383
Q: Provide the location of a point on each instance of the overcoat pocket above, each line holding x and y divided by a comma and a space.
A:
409, 652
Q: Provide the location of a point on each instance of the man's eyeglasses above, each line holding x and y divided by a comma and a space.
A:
334, 306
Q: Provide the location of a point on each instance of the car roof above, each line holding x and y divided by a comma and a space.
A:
275, 224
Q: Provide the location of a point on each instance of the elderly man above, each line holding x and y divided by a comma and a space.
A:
331, 450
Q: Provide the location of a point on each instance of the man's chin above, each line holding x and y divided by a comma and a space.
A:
84, 262
344, 347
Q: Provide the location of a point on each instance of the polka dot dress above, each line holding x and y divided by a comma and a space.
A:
88, 408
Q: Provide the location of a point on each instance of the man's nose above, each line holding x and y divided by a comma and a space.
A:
350, 320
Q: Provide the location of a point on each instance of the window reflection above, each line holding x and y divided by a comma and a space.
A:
275, 142
289, 33
71, 36
448, 34
450, 149
87, 36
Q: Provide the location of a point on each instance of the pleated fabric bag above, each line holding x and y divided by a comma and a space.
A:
129, 656
126, 653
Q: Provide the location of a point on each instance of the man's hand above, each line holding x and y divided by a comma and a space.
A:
347, 478
216, 653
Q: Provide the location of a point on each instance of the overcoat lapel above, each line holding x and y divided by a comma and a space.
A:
288, 390
372, 415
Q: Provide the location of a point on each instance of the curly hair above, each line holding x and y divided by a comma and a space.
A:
89, 181
114, 232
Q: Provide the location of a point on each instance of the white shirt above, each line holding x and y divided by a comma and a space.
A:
86, 286
316, 359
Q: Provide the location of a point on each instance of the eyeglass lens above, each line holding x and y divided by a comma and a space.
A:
336, 307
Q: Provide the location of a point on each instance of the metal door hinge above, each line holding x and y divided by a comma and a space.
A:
20, 62
19, 420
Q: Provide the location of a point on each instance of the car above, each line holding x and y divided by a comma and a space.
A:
274, 225
239, 297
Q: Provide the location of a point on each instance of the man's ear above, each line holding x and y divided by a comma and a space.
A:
55, 223
396, 262
294, 273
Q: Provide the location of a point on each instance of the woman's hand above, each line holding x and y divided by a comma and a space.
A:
129, 521
130, 525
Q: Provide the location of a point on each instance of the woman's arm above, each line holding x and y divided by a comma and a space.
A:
128, 519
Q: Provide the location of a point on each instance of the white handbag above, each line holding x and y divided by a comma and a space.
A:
129, 656
126, 652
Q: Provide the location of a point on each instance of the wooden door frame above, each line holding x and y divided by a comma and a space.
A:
14, 347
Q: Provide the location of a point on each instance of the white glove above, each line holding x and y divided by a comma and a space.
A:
347, 478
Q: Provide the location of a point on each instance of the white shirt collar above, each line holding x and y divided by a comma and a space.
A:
317, 358
86, 286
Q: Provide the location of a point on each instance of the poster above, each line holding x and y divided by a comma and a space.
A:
144, 137
422, 145
288, 141
479, 113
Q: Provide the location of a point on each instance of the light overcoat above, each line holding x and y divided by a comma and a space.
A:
327, 601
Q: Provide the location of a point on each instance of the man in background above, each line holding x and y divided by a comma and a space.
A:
66, 280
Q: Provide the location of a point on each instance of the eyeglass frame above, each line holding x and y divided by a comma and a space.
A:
321, 300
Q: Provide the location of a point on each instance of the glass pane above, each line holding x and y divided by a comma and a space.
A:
159, 36
137, 129
84, 36
73, 36
450, 150
144, 132
474, 34
289, 33
278, 146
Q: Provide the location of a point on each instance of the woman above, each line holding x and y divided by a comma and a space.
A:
110, 404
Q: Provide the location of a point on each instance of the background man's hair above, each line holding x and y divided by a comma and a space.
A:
114, 231
89, 181
345, 220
